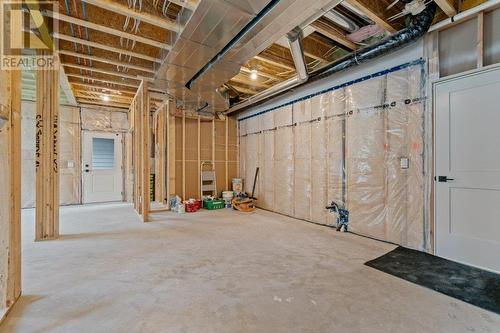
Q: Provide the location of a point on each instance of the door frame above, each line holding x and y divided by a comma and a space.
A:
122, 144
434, 199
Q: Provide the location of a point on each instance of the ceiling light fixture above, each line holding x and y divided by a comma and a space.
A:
254, 74
105, 98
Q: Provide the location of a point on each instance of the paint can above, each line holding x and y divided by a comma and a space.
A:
228, 197
237, 185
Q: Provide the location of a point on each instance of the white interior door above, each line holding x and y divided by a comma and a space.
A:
102, 167
467, 148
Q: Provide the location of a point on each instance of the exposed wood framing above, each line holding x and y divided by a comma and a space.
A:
160, 154
12, 196
103, 71
172, 190
93, 102
213, 143
226, 152
140, 116
105, 47
161, 22
328, 30
184, 155
199, 154
100, 80
107, 30
75, 85
65, 86
480, 39
377, 16
106, 61
47, 155
189, 4
273, 62
447, 6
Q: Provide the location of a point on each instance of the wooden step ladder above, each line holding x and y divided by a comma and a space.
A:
208, 179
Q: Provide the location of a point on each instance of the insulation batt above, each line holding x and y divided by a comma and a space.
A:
346, 145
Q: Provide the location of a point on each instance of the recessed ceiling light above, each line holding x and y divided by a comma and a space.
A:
254, 74
105, 98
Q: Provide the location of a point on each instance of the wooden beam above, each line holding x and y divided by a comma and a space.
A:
75, 86
47, 155
100, 70
112, 99
447, 6
116, 7
93, 102
83, 77
480, 39
105, 29
273, 62
199, 156
106, 61
377, 16
146, 144
14, 248
250, 82
105, 47
184, 155
328, 30
189, 4
226, 150
65, 86
100, 93
260, 73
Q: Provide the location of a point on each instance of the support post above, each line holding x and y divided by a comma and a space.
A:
183, 155
226, 165
146, 144
199, 156
47, 155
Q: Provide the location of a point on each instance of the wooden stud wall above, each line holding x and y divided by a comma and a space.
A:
10, 182
141, 142
199, 140
47, 155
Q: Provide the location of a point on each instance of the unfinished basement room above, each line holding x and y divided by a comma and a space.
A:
320, 166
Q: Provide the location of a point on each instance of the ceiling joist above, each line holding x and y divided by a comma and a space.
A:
328, 30
103, 71
116, 7
105, 47
368, 7
106, 61
447, 6
105, 29
91, 78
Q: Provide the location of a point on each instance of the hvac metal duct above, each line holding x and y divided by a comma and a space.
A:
220, 37
342, 20
295, 43
418, 26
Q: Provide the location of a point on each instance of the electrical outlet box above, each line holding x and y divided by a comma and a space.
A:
404, 162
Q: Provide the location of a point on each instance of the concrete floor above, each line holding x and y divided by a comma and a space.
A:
218, 272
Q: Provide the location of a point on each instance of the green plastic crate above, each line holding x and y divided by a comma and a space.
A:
214, 204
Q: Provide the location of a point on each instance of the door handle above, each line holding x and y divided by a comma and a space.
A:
443, 179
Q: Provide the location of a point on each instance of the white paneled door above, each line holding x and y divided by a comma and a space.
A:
467, 169
102, 167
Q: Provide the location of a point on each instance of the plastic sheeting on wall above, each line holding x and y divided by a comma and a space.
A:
101, 120
361, 144
69, 154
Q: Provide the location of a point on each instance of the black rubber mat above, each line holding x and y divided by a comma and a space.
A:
469, 284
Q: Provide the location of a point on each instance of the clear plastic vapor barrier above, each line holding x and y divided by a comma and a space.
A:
361, 145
